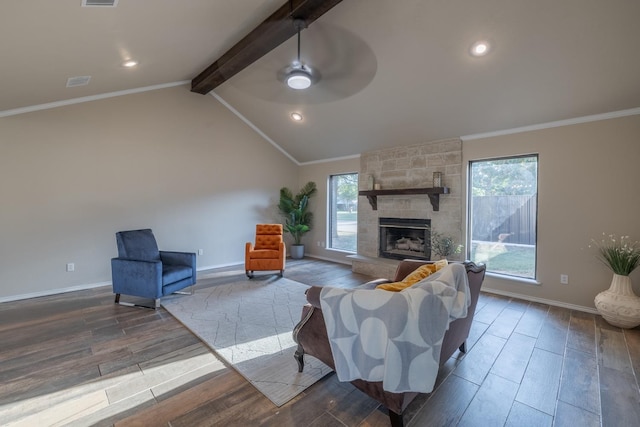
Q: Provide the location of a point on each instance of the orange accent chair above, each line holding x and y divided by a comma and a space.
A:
268, 252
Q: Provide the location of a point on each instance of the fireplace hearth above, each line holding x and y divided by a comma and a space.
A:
402, 238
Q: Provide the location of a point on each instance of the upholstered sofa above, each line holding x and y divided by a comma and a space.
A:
312, 339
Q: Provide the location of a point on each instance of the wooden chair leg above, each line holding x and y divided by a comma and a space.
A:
396, 419
299, 356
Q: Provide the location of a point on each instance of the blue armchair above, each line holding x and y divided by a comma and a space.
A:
142, 270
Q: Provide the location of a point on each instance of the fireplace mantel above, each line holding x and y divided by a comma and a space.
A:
433, 193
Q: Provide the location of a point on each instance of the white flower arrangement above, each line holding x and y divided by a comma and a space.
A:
620, 255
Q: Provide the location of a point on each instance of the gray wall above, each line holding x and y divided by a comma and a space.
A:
588, 179
174, 161
182, 164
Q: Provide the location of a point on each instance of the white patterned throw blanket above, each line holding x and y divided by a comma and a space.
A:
394, 337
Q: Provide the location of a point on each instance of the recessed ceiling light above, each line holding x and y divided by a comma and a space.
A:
129, 64
296, 117
480, 48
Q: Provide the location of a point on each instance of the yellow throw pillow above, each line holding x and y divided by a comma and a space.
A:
417, 275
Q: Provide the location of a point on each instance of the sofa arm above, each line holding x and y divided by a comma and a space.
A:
407, 267
313, 296
135, 277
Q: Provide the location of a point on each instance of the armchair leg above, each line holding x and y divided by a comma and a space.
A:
156, 304
191, 291
463, 347
299, 356
395, 419
249, 274
281, 273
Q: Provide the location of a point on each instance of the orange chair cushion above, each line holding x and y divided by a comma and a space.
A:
268, 236
264, 254
269, 229
417, 275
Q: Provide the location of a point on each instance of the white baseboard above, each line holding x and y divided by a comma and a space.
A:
541, 300
84, 287
49, 292
346, 262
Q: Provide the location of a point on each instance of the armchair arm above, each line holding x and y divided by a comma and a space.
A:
135, 277
178, 258
283, 252
247, 255
313, 296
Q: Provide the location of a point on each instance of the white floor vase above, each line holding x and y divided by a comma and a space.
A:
619, 305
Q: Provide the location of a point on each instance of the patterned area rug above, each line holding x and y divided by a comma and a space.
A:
249, 323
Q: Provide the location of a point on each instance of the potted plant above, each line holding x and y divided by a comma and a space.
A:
444, 246
298, 218
619, 305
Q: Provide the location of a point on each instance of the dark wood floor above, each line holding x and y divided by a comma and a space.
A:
78, 359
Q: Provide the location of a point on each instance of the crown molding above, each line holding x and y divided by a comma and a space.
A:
549, 125
333, 159
254, 127
90, 98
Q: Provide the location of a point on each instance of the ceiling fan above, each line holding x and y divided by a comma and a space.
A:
336, 62
299, 76
332, 64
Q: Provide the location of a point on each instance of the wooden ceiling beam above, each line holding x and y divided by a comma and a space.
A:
271, 33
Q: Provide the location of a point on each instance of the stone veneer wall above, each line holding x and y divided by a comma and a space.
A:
408, 167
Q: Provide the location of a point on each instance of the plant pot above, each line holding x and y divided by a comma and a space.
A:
619, 305
296, 251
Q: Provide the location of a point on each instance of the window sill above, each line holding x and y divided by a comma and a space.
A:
342, 251
513, 279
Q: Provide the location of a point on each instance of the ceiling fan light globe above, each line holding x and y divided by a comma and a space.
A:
298, 80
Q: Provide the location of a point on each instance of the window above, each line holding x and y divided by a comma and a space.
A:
343, 212
503, 199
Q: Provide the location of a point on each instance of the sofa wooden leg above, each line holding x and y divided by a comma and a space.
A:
463, 347
117, 299
396, 419
299, 356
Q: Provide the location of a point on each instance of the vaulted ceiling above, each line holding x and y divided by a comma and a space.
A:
391, 72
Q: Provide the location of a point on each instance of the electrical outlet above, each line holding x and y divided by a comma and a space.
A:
200, 251
564, 279
71, 266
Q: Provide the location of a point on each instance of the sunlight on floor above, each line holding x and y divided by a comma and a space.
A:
258, 348
91, 402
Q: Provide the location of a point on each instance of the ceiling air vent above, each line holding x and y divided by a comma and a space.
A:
78, 81
101, 3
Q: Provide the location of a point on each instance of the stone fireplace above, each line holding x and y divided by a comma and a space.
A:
404, 168
402, 238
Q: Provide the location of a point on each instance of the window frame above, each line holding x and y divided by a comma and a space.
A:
469, 236
330, 211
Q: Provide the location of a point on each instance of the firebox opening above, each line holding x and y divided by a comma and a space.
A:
402, 238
